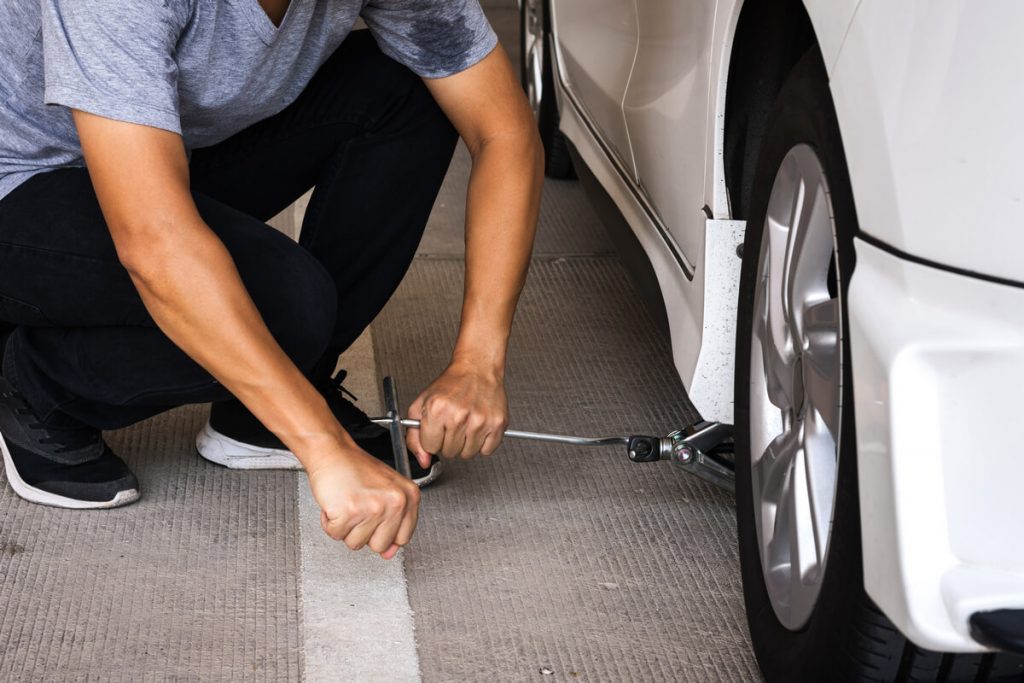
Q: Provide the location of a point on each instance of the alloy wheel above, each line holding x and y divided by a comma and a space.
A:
796, 388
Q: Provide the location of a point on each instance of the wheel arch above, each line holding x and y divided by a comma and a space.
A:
768, 41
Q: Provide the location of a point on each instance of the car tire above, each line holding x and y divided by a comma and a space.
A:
843, 636
538, 80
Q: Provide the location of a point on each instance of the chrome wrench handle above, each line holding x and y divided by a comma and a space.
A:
532, 436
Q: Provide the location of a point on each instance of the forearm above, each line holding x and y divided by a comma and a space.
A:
191, 287
501, 217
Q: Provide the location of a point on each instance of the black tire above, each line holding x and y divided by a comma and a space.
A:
557, 162
846, 636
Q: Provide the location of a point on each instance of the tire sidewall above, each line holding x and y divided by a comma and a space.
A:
802, 114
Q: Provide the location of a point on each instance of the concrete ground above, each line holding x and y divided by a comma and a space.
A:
543, 562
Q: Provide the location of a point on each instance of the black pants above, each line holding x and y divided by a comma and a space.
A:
365, 132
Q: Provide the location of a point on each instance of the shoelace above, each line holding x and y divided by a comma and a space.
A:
74, 437
350, 416
337, 383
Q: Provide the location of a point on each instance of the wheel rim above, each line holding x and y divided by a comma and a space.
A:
796, 392
533, 51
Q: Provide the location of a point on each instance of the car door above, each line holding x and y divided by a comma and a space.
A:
596, 40
666, 113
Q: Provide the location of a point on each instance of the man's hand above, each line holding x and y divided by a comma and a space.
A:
364, 502
462, 413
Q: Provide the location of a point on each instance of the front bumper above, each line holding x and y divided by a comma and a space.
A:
938, 379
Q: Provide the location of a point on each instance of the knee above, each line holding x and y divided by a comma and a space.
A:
303, 319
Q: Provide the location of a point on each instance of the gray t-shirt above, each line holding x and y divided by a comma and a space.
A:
203, 68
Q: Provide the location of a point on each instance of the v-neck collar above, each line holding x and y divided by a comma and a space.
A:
261, 22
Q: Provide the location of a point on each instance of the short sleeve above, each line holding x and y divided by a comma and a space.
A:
434, 38
113, 59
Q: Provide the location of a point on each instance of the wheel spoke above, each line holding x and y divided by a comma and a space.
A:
821, 471
770, 479
771, 470
770, 326
803, 551
822, 377
809, 251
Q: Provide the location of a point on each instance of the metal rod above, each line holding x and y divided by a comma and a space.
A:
532, 436
397, 443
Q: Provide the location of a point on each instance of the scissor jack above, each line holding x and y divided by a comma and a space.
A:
703, 449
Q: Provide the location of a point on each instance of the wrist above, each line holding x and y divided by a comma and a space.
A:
479, 360
314, 450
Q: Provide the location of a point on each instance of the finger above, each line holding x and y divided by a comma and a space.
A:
454, 441
475, 435
384, 535
358, 537
337, 528
412, 441
492, 441
412, 437
391, 552
432, 431
410, 518
455, 425
423, 459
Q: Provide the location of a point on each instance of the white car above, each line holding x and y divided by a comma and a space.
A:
831, 196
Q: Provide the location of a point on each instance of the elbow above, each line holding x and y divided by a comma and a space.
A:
136, 259
143, 253
521, 143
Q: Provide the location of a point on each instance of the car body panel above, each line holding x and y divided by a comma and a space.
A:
930, 105
665, 109
597, 45
935, 370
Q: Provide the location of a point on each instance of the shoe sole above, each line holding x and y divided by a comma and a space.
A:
237, 455
35, 495
227, 452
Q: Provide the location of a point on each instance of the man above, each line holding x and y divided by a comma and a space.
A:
142, 147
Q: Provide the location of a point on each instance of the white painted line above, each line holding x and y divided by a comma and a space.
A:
357, 623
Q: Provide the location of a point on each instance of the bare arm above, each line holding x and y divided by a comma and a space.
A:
464, 411
190, 286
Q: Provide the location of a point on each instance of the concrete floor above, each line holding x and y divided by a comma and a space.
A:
543, 563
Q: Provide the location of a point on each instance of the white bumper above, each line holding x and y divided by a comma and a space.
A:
938, 369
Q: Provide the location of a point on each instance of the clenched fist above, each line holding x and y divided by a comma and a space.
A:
364, 502
462, 413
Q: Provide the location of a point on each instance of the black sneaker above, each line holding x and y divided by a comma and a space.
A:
60, 462
234, 438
